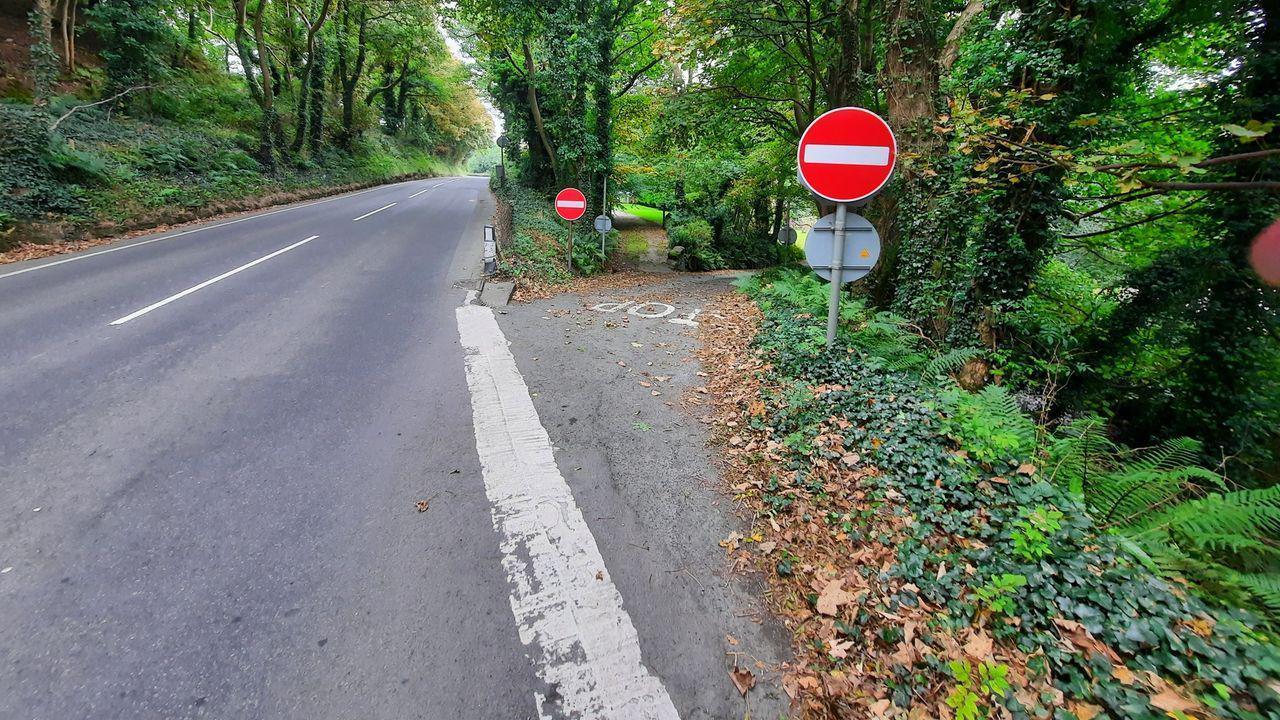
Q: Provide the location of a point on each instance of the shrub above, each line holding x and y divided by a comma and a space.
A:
693, 237
959, 472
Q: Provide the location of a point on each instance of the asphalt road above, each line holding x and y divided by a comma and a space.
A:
209, 510
212, 445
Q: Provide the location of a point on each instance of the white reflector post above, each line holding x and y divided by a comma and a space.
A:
490, 251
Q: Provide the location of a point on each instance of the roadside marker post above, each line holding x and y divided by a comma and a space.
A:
570, 204
490, 251
845, 156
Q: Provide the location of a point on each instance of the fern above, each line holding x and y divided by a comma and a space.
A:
950, 361
988, 424
1176, 517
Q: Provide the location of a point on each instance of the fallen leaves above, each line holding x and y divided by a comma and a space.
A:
1081, 639
979, 646
422, 506
833, 596
743, 679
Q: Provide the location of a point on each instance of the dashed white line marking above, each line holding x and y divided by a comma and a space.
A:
568, 611
185, 232
207, 283
433, 187
384, 207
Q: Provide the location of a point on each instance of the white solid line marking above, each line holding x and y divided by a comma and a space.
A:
582, 642
384, 207
847, 154
207, 283
188, 232
571, 203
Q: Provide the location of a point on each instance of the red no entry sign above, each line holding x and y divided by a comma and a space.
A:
571, 203
846, 154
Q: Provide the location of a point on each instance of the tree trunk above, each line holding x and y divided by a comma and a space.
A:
315, 135
304, 94
602, 89
44, 68
267, 135
910, 81
536, 112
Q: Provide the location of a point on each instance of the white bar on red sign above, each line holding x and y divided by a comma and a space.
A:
570, 204
846, 154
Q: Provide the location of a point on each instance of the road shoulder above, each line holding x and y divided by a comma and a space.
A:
613, 377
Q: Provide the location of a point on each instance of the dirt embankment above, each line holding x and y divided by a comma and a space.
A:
37, 240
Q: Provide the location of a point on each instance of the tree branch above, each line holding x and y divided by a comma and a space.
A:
636, 77
1135, 223
951, 48
1258, 185
117, 96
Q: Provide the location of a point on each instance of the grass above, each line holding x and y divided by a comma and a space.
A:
644, 212
655, 215
634, 244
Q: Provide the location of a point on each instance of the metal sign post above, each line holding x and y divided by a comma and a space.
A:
570, 204
503, 142
603, 226
837, 274
845, 156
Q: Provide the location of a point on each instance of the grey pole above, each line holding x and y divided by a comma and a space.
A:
837, 274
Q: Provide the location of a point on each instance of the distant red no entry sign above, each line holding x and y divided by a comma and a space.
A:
847, 154
571, 203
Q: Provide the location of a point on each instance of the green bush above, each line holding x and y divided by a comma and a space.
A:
36, 175
1038, 552
693, 238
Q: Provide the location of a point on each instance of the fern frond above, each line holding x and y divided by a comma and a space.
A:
1251, 513
1264, 588
950, 361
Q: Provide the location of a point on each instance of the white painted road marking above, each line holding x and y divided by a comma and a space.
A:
662, 310
571, 203
384, 207
207, 283
433, 187
583, 642
847, 154
186, 232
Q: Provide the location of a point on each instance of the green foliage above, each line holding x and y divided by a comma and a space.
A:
690, 243
44, 59
998, 593
1177, 517
1032, 535
134, 38
988, 424
1038, 553
31, 182
976, 687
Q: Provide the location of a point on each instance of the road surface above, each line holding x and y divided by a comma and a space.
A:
212, 445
